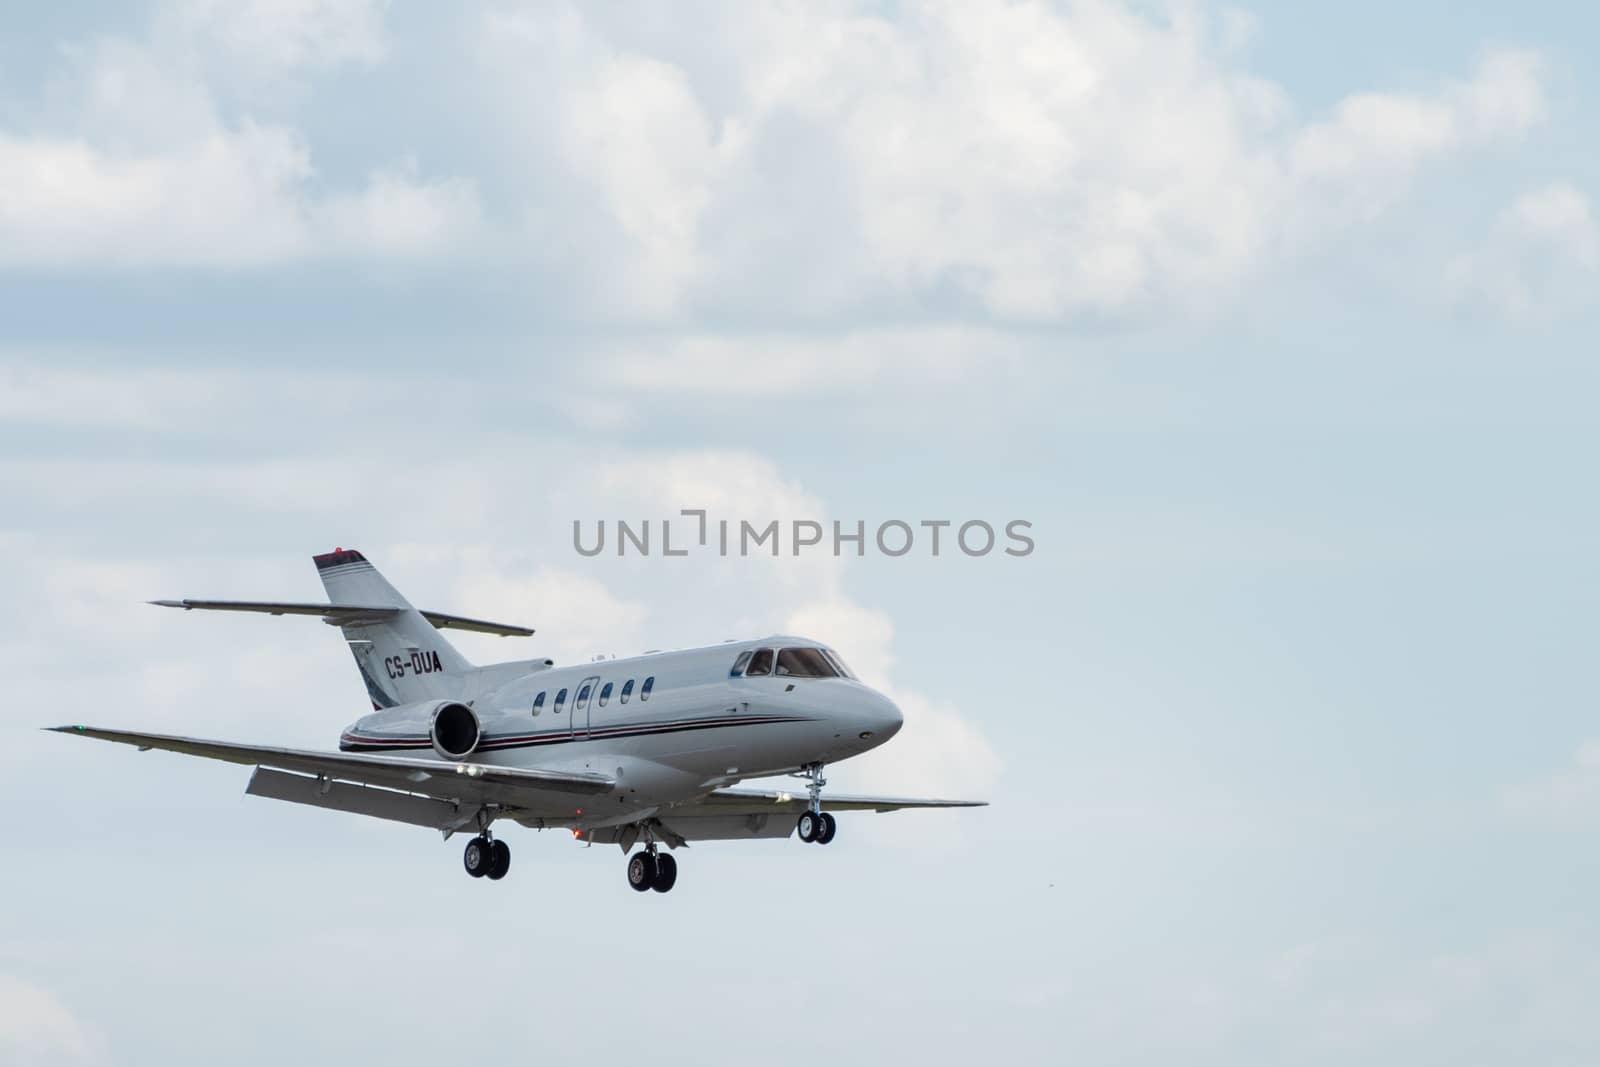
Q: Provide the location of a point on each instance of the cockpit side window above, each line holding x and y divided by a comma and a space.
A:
838, 664
561, 698
804, 663
738, 664
760, 664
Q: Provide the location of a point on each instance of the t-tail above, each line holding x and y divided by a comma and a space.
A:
399, 650
401, 655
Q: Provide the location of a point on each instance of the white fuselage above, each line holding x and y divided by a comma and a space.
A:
668, 726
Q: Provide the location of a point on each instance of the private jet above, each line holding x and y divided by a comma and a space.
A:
645, 750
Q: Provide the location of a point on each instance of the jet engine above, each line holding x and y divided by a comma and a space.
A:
454, 730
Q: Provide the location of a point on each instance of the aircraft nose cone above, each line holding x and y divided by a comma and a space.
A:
882, 719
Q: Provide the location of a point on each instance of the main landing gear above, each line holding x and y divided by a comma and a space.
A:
486, 857
815, 825
650, 868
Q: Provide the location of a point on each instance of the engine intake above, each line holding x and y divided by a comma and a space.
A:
454, 731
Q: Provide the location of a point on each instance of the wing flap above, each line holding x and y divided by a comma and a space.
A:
376, 801
432, 778
759, 802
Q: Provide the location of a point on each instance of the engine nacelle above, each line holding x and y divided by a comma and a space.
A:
454, 730
451, 727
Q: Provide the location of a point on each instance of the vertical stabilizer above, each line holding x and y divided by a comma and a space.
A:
402, 657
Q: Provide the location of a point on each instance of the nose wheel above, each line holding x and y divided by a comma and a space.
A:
815, 826
817, 829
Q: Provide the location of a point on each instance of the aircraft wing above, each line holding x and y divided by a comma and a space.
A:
742, 814
347, 614
451, 782
758, 802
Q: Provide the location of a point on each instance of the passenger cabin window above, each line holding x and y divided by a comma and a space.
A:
561, 698
644, 690
605, 694
760, 664
583, 698
627, 691
538, 703
738, 664
804, 663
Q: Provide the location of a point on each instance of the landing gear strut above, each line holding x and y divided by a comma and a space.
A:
650, 868
815, 825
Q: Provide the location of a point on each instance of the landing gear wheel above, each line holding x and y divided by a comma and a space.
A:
499, 860
641, 870
666, 873
478, 857
825, 832
808, 827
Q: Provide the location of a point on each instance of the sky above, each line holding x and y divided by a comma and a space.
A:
1275, 324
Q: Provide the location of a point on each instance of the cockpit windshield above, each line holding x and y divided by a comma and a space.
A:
790, 663
804, 663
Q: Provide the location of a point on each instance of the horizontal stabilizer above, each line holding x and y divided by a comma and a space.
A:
348, 614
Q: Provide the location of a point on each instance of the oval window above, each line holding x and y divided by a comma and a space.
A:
644, 690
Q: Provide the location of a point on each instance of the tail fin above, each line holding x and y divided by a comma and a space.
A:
402, 657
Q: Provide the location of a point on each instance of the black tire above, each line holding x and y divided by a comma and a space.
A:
807, 827
499, 860
829, 827
477, 857
641, 870
666, 873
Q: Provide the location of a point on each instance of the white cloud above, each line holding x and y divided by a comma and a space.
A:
229, 197
1539, 258
578, 617
785, 364
139, 166
1372, 132
281, 34
36, 1028
1029, 162
1569, 797
400, 214
223, 199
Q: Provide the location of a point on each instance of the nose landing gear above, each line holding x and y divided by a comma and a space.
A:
815, 825
816, 828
